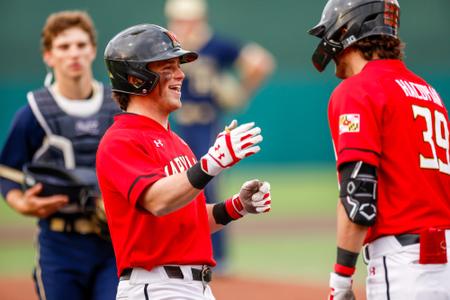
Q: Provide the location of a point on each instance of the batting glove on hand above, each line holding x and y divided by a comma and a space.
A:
254, 198
340, 288
231, 145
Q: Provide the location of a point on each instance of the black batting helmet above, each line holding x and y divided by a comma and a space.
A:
130, 51
345, 22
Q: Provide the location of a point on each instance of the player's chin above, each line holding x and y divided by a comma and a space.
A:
75, 74
175, 103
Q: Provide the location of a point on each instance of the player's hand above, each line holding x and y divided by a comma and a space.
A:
340, 288
254, 198
31, 204
231, 145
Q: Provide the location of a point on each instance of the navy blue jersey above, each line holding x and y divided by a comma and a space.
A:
25, 134
199, 119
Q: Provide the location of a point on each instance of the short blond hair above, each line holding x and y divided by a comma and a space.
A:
63, 20
185, 9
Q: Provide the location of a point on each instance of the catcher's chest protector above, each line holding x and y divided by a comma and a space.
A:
71, 141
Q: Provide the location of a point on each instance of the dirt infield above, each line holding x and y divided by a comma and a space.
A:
223, 288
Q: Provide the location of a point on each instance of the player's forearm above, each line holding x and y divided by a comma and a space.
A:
168, 194
350, 236
15, 200
213, 226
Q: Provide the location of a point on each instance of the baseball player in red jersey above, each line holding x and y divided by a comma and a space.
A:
151, 181
391, 137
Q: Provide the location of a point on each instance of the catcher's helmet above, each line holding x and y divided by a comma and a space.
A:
345, 22
78, 187
130, 51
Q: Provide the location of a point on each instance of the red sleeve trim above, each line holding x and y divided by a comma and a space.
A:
140, 184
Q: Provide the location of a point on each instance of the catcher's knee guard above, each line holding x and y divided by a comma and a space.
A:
358, 192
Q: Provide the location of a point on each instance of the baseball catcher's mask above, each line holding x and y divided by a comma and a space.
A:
60, 181
130, 52
345, 22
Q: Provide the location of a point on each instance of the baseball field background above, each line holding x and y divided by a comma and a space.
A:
294, 244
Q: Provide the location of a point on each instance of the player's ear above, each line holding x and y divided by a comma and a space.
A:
47, 58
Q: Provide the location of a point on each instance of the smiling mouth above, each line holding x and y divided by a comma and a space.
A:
176, 88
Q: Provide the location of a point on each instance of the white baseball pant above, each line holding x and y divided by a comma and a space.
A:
394, 272
156, 285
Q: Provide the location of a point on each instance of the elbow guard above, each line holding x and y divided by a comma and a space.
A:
358, 192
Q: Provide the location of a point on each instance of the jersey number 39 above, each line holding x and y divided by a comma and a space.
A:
435, 134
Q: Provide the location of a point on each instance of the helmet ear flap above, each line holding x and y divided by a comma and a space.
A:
131, 77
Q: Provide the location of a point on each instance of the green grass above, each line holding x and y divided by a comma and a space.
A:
8, 217
295, 258
298, 193
298, 190
17, 259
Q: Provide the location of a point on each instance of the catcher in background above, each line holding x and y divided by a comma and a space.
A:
221, 80
151, 181
61, 127
391, 136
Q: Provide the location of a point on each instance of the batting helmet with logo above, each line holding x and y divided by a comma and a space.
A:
130, 51
345, 22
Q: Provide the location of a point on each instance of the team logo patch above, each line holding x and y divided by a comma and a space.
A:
158, 143
349, 123
173, 38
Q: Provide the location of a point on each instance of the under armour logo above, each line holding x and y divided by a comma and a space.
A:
221, 156
217, 148
158, 143
372, 271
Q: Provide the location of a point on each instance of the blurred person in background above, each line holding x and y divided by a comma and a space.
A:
221, 80
60, 128
391, 138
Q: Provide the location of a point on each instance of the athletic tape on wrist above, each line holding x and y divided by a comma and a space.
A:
234, 207
343, 270
220, 214
345, 262
197, 177
227, 211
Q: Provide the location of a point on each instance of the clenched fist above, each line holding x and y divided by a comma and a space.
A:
253, 198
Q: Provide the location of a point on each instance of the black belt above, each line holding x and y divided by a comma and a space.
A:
408, 239
203, 275
403, 239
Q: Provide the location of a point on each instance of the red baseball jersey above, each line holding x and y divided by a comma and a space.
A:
134, 153
392, 119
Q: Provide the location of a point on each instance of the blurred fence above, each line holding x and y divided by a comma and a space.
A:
291, 108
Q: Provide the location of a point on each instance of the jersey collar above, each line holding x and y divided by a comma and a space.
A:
132, 120
384, 63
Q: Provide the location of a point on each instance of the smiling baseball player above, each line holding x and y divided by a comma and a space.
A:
391, 136
151, 181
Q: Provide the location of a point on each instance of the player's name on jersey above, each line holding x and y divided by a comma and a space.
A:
179, 164
419, 91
